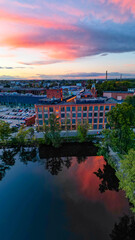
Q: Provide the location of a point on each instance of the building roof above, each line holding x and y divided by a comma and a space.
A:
116, 91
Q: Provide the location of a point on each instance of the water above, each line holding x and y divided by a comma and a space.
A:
59, 197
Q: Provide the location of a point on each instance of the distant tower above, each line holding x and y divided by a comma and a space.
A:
121, 77
106, 75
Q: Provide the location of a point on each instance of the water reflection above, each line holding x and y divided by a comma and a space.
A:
55, 164
108, 177
28, 155
124, 230
74, 190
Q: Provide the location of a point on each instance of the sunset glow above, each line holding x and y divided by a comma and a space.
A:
67, 39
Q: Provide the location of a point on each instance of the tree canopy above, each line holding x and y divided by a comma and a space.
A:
126, 175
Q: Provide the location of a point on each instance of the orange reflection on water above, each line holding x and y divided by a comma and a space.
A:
88, 185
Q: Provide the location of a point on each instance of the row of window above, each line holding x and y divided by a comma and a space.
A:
74, 115
73, 121
79, 109
95, 126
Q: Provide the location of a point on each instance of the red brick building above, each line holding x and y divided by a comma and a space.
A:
30, 121
54, 93
72, 114
119, 95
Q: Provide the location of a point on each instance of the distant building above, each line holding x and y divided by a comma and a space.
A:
16, 99
119, 95
54, 93
89, 93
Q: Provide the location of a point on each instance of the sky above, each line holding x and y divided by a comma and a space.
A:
67, 39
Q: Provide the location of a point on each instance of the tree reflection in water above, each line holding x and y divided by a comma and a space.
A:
29, 155
109, 179
124, 230
7, 160
55, 164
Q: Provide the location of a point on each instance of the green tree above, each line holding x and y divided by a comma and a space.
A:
82, 131
5, 131
52, 131
126, 175
130, 100
121, 120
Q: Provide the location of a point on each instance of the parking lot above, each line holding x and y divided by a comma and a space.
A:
15, 116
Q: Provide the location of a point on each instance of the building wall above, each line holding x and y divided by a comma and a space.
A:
70, 116
54, 93
117, 95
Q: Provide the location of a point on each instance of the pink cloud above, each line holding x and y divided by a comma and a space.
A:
125, 5
39, 22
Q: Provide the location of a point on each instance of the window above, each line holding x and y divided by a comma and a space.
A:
95, 126
100, 126
79, 115
100, 120
107, 108
84, 120
46, 109
101, 108
68, 127
68, 115
101, 114
62, 115
62, 121
39, 115
90, 114
39, 109
84, 114
73, 115
79, 109
73, 127
62, 109
79, 121
84, 108
63, 127
68, 121
95, 114
95, 120
46, 116
40, 122
105, 120
73, 121
112, 107
68, 109
96, 108
73, 109
90, 120
46, 122
50, 109
90, 109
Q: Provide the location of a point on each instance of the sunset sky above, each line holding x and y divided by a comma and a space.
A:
58, 39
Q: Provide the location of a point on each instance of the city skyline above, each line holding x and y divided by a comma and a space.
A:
60, 39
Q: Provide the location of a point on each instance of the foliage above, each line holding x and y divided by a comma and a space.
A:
125, 229
82, 131
5, 130
130, 100
104, 145
111, 86
52, 131
109, 179
121, 119
126, 175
